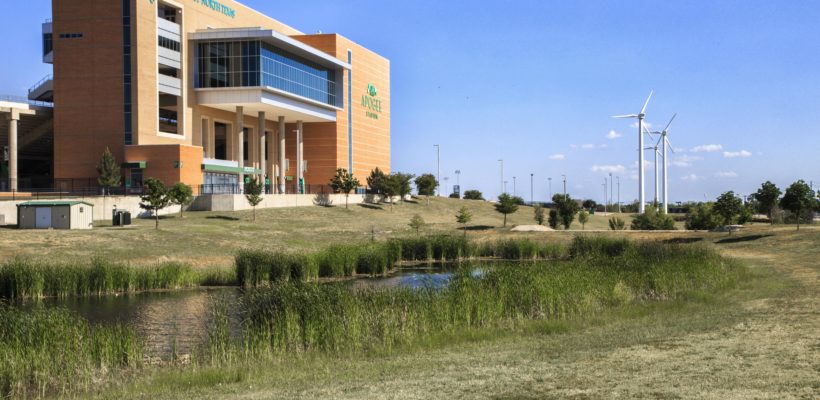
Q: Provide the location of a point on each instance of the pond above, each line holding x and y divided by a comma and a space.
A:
179, 321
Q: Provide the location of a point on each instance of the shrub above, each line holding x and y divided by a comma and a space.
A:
652, 220
701, 217
473, 195
617, 224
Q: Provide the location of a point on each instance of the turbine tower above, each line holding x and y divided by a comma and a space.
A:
640, 117
665, 142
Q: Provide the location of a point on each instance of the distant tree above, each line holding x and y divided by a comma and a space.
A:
653, 220
583, 218
799, 200
155, 198
402, 182
390, 188
617, 224
538, 210
473, 195
519, 200
766, 198
426, 185
343, 182
746, 214
589, 204
464, 217
553, 219
181, 195
109, 171
417, 222
701, 217
566, 208
454, 195
506, 205
253, 193
727, 207
375, 180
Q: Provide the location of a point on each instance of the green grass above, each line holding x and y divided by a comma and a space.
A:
25, 279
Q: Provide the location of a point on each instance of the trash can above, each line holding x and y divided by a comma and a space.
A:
125, 218
115, 218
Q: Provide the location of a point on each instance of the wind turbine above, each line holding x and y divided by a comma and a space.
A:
665, 141
640, 117
655, 150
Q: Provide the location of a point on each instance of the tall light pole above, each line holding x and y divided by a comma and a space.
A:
610, 190
505, 186
446, 178
513, 186
502, 176
549, 180
604, 185
619, 193
565, 184
532, 191
438, 166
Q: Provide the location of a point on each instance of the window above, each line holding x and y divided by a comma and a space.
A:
136, 178
220, 141
48, 43
245, 139
168, 43
71, 35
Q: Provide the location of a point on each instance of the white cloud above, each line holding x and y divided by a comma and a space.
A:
557, 157
690, 177
603, 146
613, 135
685, 160
734, 154
726, 174
707, 148
614, 169
587, 146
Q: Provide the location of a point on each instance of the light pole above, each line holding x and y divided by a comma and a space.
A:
549, 180
502, 176
513, 186
619, 193
532, 191
610, 190
565, 184
505, 187
458, 181
604, 185
438, 165
446, 178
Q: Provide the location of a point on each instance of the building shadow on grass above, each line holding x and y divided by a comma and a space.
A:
222, 217
370, 206
739, 239
480, 228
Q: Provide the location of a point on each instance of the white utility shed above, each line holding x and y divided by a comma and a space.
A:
55, 215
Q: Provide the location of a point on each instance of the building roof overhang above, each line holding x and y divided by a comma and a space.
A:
273, 102
277, 39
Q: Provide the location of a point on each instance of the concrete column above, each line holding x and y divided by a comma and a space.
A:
240, 140
14, 119
282, 155
270, 163
300, 157
211, 139
262, 161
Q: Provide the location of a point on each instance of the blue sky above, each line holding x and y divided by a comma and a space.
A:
535, 83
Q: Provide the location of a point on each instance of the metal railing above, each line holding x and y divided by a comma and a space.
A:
41, 82
23, 100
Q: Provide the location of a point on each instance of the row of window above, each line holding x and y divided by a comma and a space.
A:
70, 35
168, 43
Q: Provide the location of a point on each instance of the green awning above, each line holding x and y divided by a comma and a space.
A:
230, 170
135, 165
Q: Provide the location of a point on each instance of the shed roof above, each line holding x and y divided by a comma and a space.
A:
52, 203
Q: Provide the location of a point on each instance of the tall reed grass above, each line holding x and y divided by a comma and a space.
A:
298, 317
47, 351
25, 278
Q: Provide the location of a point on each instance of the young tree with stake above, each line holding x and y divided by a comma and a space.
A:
417, 222
464, 217
109, 171
426, 185
799, 200
253, 193
155, 198
506, 205
344, 182
181, 195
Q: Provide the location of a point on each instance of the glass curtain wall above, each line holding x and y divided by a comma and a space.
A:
253, 63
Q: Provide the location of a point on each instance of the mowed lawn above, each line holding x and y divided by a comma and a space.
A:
213, 238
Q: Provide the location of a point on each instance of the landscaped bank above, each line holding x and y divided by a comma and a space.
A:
287, 317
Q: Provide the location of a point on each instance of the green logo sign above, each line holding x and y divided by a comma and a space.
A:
218, 7
372, 105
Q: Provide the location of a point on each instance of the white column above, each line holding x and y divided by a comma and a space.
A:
281, 154
262, 161
240, 143
300, 157
14, 119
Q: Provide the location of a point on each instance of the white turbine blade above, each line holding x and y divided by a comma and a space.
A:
660, 140
625, 116
670, 145
670, 122
643, 110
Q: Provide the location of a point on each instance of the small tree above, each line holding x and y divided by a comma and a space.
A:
798, 200
701, 217
253, 193
566, 208
617, 224
583, 218
454, 195
417, 222
766, 199
344, 182
390, 188
538, 210
590, 204
553, 219
473, 195
402, 182
375, 180
109, 171
181, 195
728, 206
426, 185
155, 198
653, 220
506, 205
464, 217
